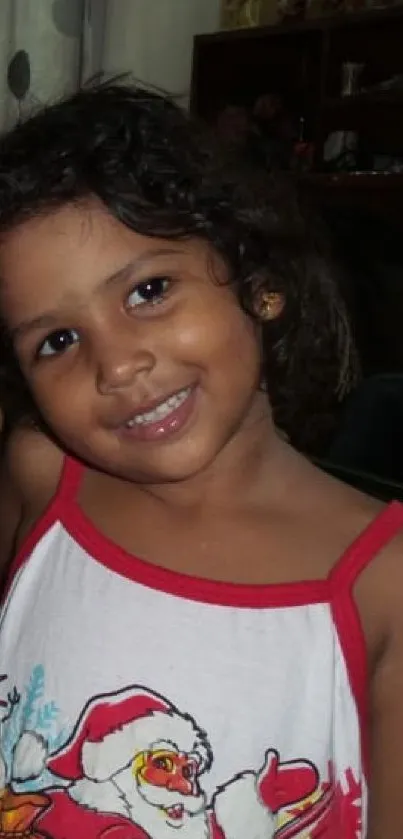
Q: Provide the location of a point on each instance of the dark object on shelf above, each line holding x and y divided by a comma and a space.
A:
291, 10
275, 129
350, 78
303, 151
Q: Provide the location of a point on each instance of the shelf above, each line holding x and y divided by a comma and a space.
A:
352, 180
318, 24
364, 100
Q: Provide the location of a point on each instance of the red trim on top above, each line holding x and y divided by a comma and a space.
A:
63, 508
103, 550
70, 481
199, 589
347, 621
345, 613
336, 590
367, 545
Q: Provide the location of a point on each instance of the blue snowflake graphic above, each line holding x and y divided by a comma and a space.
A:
30, 712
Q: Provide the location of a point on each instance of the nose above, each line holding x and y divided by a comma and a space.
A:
178, 783
118, 362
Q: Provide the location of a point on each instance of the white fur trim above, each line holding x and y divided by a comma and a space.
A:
29, 757
104, 759
239, 811
102, 797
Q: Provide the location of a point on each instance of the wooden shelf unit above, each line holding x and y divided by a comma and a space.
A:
302, 62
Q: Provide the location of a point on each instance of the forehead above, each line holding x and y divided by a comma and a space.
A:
56, 249
75, 235
65, 255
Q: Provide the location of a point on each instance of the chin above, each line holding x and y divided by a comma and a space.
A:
157, 826
175, 463
147, 811
160, 469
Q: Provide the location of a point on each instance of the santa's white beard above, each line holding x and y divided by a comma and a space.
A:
238, 810
148, 814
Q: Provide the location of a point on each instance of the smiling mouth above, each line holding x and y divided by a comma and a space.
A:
161, 411
175, 813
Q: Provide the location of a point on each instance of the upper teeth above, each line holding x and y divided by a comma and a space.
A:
162, 410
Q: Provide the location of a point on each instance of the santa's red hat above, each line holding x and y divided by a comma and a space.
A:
114, 728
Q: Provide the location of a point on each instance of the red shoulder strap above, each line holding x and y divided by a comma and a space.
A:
365, 548
70, 480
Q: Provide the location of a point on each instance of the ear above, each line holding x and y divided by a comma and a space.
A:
268, 305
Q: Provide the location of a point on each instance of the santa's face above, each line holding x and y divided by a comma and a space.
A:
163, 792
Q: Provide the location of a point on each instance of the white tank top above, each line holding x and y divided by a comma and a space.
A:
138, 703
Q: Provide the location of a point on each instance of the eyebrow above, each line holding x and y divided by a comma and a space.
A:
135, 264
48, 320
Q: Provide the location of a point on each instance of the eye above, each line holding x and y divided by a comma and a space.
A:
151, 291
163, 763
58, 342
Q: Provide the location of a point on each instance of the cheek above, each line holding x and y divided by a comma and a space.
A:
218, 334
60, 399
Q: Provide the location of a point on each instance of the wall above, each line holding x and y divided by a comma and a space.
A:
154, 39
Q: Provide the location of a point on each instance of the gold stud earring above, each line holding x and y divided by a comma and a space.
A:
269, 305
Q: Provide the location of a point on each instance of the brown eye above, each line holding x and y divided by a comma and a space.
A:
58, 342
151, 291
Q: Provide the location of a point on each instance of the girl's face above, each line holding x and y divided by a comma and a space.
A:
136, 351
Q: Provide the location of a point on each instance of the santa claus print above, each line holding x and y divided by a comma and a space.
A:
133, 768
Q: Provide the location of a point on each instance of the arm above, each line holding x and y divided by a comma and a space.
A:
10, 515
29, 473
386, 778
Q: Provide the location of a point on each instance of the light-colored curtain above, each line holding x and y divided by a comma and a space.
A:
47, 48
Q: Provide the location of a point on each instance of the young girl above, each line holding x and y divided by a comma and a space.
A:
202, 634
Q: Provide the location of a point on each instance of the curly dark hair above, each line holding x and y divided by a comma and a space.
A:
157, 171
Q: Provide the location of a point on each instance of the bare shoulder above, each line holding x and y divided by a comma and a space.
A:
33, 462
29, 474
343, 514
334, 513
378, 589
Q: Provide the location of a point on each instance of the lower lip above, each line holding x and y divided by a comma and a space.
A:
165, 427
